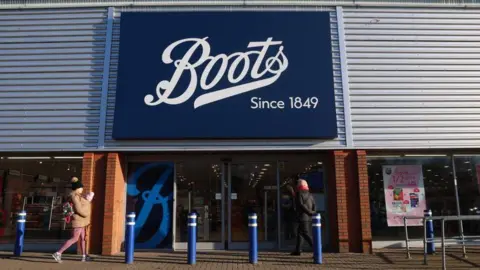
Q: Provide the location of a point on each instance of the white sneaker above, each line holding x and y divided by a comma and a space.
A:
57, 256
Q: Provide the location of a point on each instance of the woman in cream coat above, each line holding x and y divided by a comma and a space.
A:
80, 220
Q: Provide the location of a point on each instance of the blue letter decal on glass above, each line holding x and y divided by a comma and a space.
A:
151, 198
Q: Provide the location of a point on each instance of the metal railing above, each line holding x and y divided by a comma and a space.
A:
463, 239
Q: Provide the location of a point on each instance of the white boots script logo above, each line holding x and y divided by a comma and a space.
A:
262, 75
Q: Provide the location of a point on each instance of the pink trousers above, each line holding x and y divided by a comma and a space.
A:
78, 233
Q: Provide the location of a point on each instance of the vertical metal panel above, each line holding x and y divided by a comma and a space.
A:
105, 76
50, 78
232, 145
414, 76
345, 84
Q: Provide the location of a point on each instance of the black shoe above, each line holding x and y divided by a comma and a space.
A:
296, 253
86, 258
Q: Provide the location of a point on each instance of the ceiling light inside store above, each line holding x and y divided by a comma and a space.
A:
319, 163
429, 155
264, 169
446, 166
28, 157
385, 156
267, 165
68, 157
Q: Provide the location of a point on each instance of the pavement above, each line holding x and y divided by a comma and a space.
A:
230, 260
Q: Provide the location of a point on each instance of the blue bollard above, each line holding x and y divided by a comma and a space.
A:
317, 238
192, 238
253, 248
20, 234
430, 235
130, 238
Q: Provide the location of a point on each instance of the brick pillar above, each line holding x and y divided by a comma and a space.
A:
93, 179
353, 202
332, 205
114, 211
341, 196
364, 201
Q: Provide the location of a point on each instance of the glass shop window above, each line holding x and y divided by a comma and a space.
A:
467, 169
40, 186
401, 188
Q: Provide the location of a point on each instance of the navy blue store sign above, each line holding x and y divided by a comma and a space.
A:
225, 75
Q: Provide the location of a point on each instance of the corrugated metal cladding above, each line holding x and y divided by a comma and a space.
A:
163, 145
414, 76
50, 78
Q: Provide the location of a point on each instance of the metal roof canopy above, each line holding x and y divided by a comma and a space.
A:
28, 4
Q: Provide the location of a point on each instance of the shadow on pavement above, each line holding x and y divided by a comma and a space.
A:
464, 260
384, 258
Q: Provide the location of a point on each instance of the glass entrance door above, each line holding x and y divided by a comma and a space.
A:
312, 171
200, 188
252, 187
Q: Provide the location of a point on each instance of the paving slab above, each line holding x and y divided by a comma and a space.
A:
381, 259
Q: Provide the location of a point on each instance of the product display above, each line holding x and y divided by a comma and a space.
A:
44, 213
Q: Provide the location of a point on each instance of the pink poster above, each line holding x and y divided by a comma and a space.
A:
404, 194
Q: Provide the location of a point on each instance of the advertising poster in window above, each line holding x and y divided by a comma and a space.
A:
404, 194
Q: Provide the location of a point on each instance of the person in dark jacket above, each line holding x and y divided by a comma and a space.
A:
289, 213
305, 208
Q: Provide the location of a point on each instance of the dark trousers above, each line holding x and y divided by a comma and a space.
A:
289, 229
303, 232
